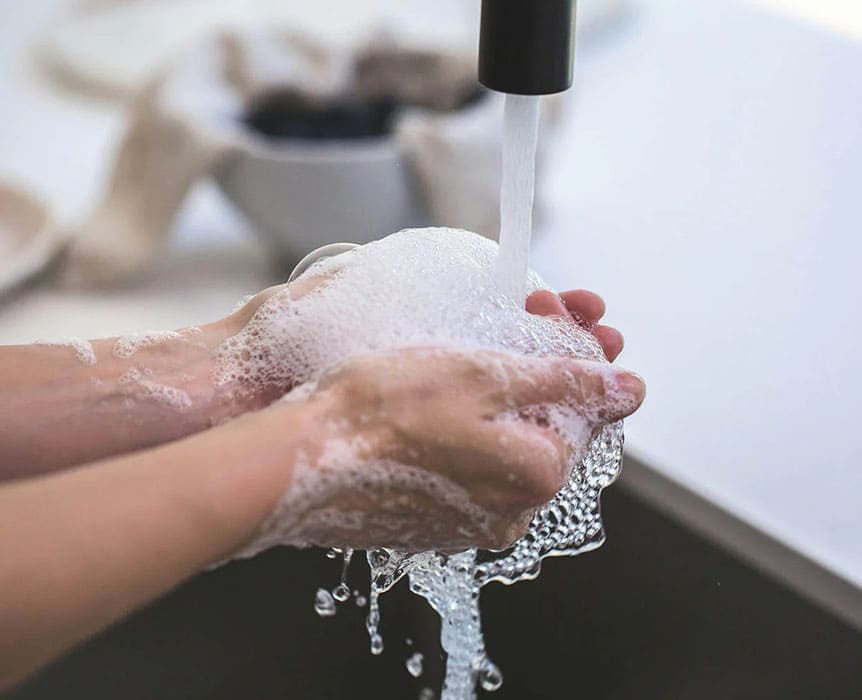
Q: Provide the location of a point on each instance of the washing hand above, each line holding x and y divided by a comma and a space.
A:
438, 411
478, 464
582, 307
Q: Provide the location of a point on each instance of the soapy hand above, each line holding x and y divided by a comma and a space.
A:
584, 308
479, 463
579, 306
414, 449
415, 458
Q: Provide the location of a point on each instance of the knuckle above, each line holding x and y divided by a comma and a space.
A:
545, 485
505, 533
547, 469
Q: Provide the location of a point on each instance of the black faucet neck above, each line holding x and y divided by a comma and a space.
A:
526, 47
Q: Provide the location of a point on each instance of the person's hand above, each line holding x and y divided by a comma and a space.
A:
582, 307
579, 306
234, 400
479, 465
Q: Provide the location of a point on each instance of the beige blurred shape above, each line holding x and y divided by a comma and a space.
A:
187, 125
111, 47
28, 241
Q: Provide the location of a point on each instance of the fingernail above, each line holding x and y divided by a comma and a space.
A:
631, 383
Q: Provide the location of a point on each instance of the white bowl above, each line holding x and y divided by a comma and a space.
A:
302, 195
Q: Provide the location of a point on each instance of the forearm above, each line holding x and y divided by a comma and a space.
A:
61, 406
80, 549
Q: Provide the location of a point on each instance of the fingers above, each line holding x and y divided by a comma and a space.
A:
545, 303
606, 392
611, 341
585, 308
630, 394
541, 458
524, 465
584, 305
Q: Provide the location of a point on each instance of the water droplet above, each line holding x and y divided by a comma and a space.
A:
414, 665
324, 605
378, 557
490, 677
361, 601
426, 694
376, 644
333, 553
383, 581
341, 593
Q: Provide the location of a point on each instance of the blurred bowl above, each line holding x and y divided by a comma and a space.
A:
112, 48
301, 195
28, 241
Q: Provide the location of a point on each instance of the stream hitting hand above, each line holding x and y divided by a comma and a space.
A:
448, 288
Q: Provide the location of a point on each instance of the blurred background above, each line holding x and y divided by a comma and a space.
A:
161, 159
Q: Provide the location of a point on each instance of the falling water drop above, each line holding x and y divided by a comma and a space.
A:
490, 677
324, 605
414, 665
341, 593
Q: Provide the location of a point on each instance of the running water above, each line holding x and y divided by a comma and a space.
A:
520, 132
568, 525
404, 276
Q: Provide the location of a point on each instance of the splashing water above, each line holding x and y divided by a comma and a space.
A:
414, 664
403, 276
568, 525
324, 605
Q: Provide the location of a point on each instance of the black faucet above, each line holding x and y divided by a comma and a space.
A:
526, 47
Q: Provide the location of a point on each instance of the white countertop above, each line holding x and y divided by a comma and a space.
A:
708, 184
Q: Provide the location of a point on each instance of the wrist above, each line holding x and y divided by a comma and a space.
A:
168, 387
235, 396
254, 461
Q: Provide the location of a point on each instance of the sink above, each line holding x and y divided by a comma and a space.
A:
657, 612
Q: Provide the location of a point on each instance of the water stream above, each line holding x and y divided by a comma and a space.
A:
520, 132
569, 524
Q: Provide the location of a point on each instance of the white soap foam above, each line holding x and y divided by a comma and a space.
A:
310, 512
422, 288
83, 349
130, 344
439, 286
170, 396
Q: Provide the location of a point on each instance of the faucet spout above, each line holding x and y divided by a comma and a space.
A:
526, 47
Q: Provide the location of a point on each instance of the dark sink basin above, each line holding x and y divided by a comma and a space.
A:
656, 613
